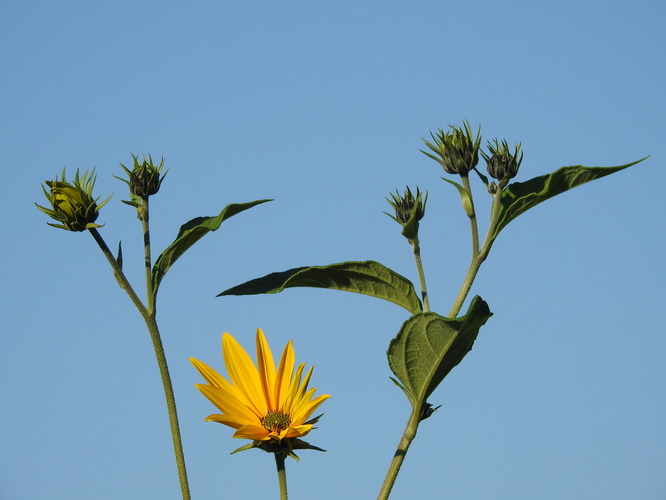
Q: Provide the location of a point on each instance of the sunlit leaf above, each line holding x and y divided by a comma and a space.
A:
189, 234
428, 346
367, 278
519, 197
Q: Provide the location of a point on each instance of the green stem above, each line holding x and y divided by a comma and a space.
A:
399, 456
282, 474
118, 272
143, 212
151, 323
171, 405
478, 258
419, 269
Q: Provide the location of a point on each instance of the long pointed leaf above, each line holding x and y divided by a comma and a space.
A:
367, 278
189, 234
519, 197
429, 346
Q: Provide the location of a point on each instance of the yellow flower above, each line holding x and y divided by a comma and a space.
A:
261, 402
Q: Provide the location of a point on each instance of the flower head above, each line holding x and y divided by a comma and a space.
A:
268, 405
409, 210
72, 204
145, 178
502, 163
408, 205
456, 151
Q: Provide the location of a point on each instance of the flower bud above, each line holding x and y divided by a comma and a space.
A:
72, 204
502, 164
409, 210
144, 178
404, 205
457, 151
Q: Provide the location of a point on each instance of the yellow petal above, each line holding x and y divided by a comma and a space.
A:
254, 432
216, 380
234, 422
243, 373
291, 396
228, 403
209, 374
284, 375
304, 412
301, 395
266, 367
298, 431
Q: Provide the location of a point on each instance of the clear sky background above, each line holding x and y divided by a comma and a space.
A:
322, 106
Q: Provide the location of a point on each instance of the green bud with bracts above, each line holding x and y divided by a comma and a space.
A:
456, 151
502, 163
72, 204
409, 210
145, 177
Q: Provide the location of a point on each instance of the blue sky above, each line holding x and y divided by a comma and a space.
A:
323, 107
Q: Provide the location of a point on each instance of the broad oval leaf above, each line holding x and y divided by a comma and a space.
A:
367, 278
189, 234
518, 197
428, 346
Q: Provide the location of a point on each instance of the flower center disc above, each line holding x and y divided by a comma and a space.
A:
275, 421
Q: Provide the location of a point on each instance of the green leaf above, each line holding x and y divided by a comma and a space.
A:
411, 228
519, 197
367, 278
464, 196
428, 346
189, 234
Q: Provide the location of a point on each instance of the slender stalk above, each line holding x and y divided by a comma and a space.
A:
477, 258
399, 456
171, 405
151, 323
282, 474
143, 212
118, 272
419, 269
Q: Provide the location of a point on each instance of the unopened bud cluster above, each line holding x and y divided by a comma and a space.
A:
457, 151
145, 178
72, 203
